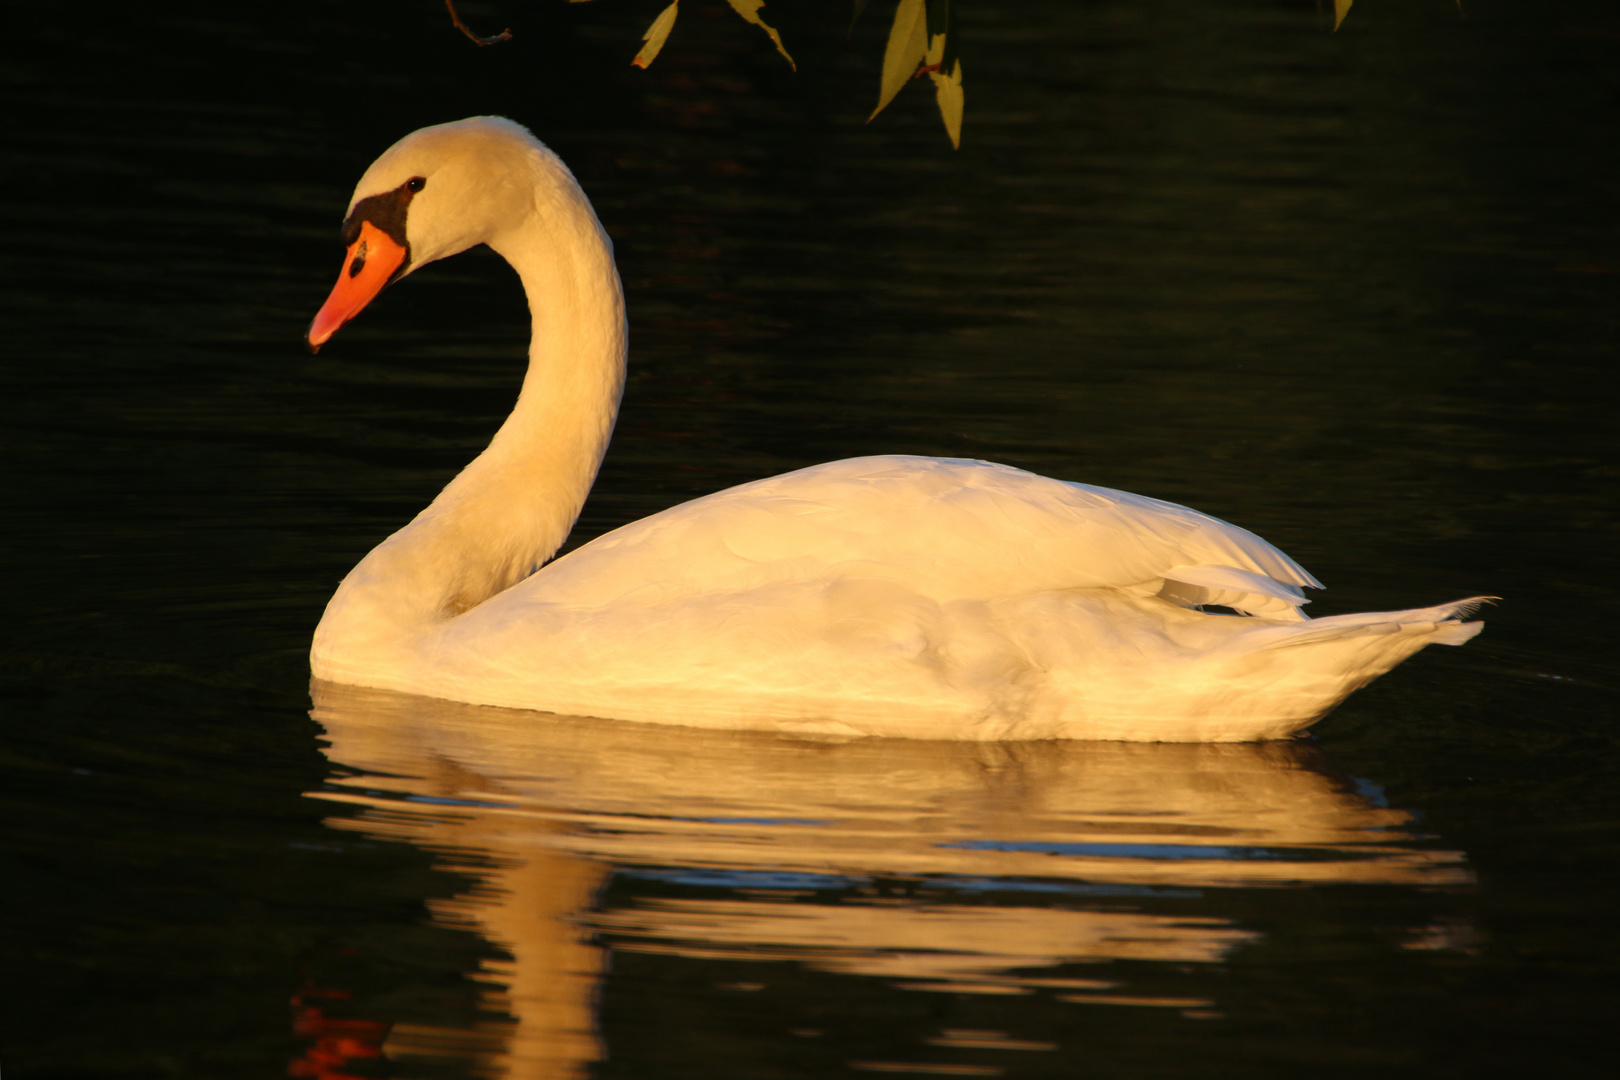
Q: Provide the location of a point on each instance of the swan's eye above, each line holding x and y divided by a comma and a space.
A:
415, 183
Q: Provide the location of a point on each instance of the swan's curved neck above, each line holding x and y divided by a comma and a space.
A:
510, 510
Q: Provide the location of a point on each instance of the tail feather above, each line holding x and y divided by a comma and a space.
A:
1461, 609
1455, 633
1444, 623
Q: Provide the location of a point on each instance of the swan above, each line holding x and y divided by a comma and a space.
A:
934, 598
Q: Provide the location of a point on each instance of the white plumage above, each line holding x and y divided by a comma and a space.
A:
900, 596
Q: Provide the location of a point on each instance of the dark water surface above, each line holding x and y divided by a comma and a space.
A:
1357, 292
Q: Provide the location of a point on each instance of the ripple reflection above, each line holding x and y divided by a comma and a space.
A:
955, 867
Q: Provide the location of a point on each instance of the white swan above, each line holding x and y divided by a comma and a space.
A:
897, 596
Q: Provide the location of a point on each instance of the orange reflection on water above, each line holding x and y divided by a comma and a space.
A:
333, 1042
784, 837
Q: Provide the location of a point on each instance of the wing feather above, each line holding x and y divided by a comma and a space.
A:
946, 527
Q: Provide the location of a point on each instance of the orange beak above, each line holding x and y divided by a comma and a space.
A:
371, 263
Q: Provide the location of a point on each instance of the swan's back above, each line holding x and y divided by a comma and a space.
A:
948, 528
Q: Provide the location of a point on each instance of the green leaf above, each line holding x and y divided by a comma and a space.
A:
656, 35
939, 22
908, 42
947, 90
749, 9
1341, 8
948, 95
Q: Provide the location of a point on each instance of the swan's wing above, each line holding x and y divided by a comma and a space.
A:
947, 528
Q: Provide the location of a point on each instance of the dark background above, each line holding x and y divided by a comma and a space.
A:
1356, 292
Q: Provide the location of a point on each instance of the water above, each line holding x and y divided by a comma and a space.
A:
1357, 292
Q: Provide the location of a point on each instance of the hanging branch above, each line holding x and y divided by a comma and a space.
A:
922, 41
504, 35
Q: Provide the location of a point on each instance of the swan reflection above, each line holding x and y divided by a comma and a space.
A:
978, 868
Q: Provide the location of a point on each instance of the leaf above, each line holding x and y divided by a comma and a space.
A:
948, 94
656, 35
1341, 8
749, 10
939, 22
908, 41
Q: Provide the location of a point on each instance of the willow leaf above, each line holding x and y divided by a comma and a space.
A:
908, 41
939, 22
947, 89
749, 9
948, 94
656, 35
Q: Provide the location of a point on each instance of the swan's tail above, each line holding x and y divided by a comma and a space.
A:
1103, 664
1444, 624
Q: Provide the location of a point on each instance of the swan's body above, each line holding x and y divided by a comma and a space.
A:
919, 597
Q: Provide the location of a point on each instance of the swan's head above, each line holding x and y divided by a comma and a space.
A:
436, 192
